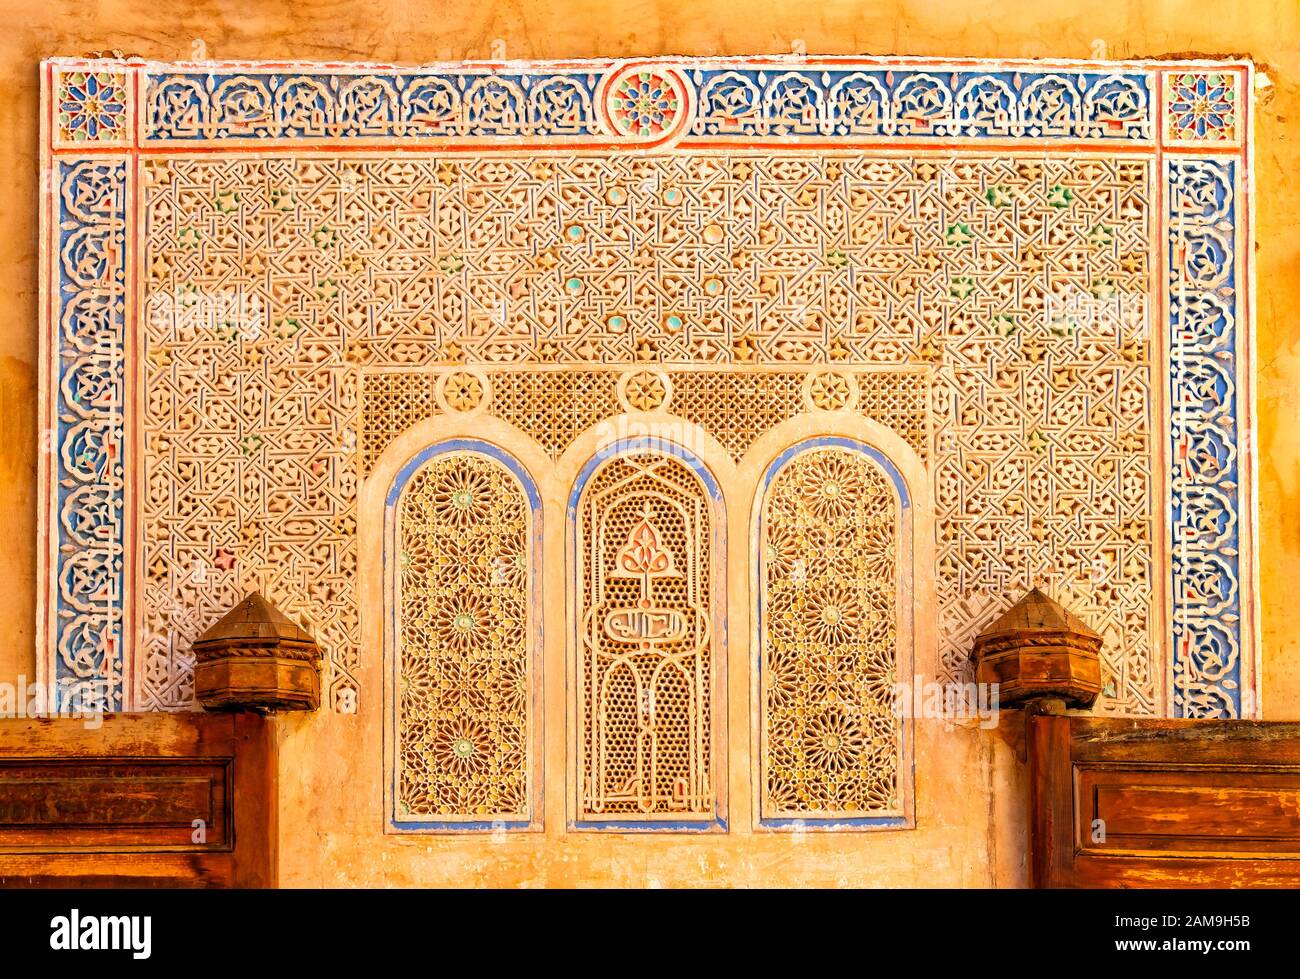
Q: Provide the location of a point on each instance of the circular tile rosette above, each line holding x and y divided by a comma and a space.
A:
648, 103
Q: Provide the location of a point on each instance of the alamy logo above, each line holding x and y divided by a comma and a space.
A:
102, 931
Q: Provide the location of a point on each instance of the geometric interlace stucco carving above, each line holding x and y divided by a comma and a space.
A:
984, 275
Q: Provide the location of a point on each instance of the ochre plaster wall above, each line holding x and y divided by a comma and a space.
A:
970, 830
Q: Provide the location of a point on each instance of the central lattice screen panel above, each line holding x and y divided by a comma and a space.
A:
648, 654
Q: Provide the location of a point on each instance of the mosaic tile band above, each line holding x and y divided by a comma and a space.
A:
647, 103
1206, 467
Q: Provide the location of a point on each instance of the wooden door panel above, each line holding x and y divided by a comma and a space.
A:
1136, 803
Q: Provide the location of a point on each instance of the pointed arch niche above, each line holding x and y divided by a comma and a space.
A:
463, 526
648, 593
834, 621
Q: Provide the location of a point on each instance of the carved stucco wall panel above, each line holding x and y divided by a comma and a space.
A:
1033, 403
234, 337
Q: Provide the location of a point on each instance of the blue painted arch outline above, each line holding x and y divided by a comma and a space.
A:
718, 823
757, 583
526, 483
